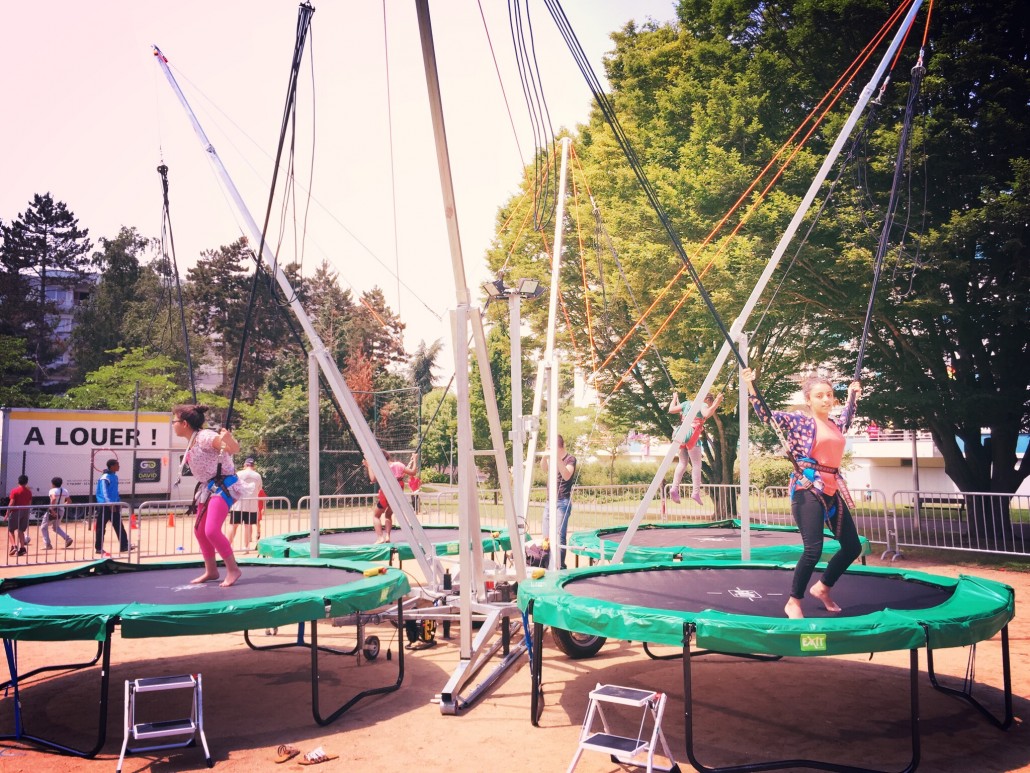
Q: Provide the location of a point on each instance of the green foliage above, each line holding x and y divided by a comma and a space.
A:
423, 363
16, 385
769, 471
274, 430
603, 473
499, 356
113, 387
430, 475
439, 433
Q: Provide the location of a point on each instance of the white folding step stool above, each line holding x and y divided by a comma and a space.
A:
192, 726
624, 748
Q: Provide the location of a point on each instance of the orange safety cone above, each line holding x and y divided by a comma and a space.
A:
171, 519
132, 521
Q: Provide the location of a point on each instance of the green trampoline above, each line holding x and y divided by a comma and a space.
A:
357, 543
737, 608
143, 600
700, 541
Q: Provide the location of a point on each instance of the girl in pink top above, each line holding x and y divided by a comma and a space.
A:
208, 453
382, 507
818, 494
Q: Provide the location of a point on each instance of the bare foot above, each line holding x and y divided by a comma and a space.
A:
821, 592
793, 609
230, 578
205, 577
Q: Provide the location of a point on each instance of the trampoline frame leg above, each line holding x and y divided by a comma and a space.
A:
536, 667
966, 694
104, 656
688, 632
315, 708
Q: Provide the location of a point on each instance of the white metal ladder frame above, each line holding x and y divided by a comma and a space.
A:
193, 726
623, 749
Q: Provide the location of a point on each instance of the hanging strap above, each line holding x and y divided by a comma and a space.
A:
888, 220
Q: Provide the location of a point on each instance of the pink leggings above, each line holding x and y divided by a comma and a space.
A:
208, 529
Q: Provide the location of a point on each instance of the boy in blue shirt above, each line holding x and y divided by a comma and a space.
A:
110, 510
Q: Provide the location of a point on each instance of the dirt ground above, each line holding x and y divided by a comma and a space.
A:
850, 710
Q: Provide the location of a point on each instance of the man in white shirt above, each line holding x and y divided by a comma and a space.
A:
245, 510
59, 497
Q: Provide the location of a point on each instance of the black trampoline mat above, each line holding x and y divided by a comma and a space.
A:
750, 591
701, 537
171, 586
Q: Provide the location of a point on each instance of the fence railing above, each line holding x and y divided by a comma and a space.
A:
979, 522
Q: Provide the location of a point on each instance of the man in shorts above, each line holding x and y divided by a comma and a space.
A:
18, 517
245, 509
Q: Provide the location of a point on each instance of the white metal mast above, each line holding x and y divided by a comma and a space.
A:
472, 599
422, 547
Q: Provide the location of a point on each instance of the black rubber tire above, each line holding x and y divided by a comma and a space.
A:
371, 648
577, 645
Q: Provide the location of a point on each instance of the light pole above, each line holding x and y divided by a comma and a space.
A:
529, 289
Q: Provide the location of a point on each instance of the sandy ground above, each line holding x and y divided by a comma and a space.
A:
849, 710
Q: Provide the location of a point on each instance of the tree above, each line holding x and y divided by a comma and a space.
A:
98, 331
439, 429
45, 243
423, 363
376, 330
16, 385
219, 293
113, 387
498, 352
331, 309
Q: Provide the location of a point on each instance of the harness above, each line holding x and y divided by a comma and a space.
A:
219, 485
808, 480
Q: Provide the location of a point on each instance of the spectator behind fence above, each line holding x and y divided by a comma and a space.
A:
18, 516
110, 510
245, 510
59, 497
562, 498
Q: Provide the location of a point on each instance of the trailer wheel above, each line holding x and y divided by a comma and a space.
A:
371, 648
577, 645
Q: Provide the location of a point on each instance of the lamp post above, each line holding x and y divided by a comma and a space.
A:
529, 289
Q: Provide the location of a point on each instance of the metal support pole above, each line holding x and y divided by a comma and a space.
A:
518, 429
315, 444
745, 466
551, 360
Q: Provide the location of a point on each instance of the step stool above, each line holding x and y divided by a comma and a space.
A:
169, 728
623, 749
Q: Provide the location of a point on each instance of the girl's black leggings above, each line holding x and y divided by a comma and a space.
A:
808, 511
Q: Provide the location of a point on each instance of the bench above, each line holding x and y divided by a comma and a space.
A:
941, 500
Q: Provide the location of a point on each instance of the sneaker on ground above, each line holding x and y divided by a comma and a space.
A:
68, 542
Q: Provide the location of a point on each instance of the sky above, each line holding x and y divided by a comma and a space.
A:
90, 116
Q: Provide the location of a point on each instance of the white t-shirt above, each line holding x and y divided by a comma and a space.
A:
59, 496
250, 485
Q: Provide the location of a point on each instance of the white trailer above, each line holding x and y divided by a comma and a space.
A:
44, 443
